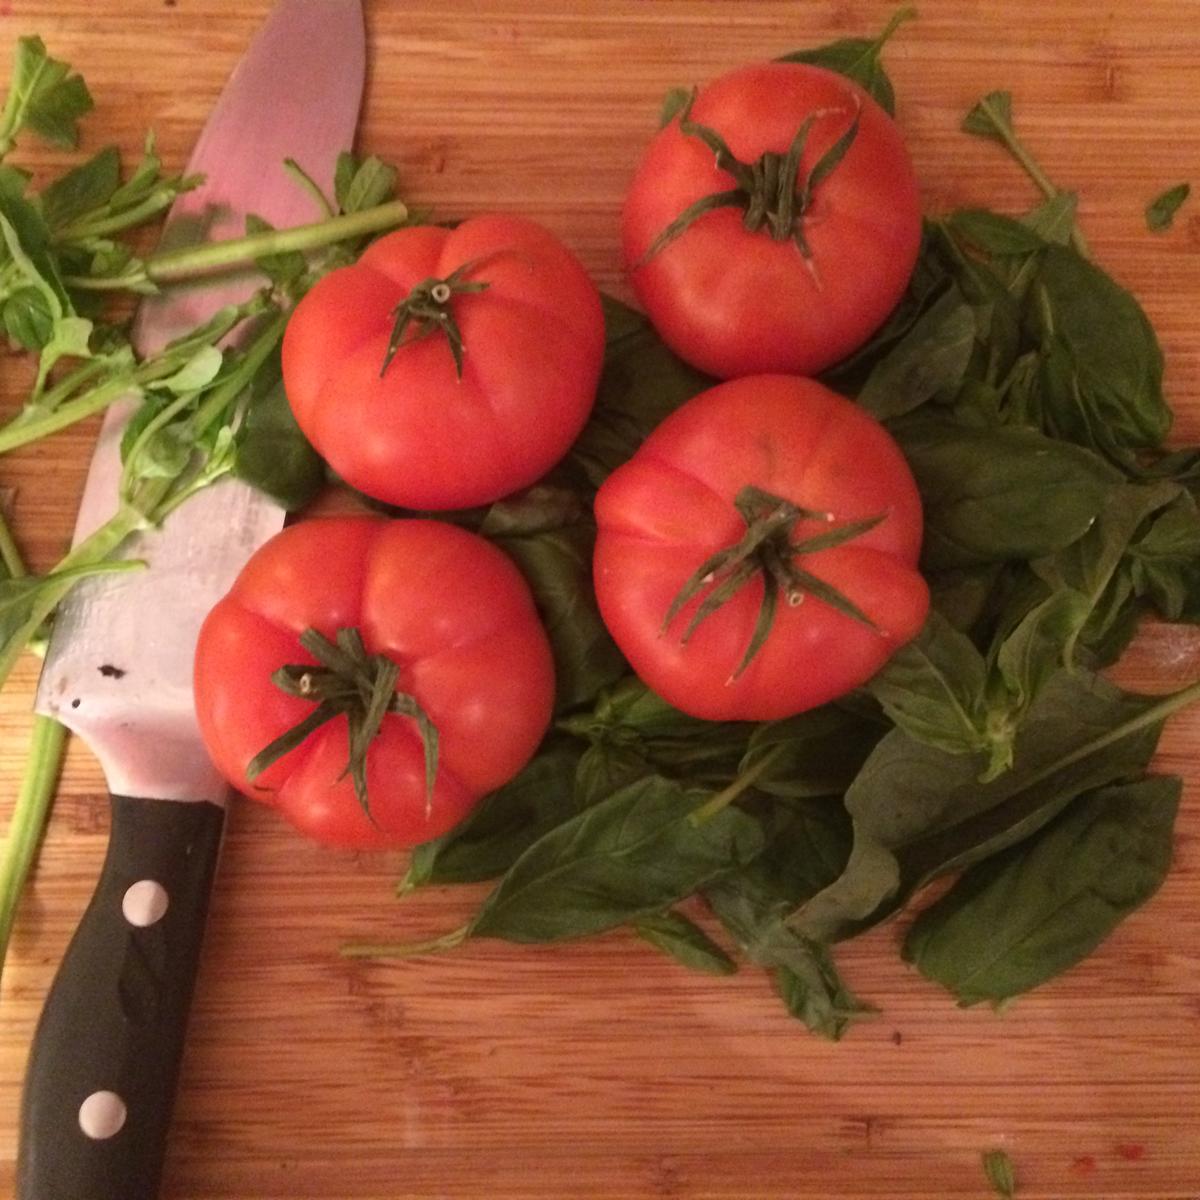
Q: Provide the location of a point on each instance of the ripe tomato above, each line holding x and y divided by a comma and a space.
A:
448, 608
818, 468
825, 261
499, 352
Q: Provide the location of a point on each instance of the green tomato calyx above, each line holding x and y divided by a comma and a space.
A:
347, 681
770, 191
427, 309
768, 549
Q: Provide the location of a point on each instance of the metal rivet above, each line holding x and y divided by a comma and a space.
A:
101, 1115
145, 902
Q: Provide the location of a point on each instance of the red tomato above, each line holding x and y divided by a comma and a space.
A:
732, 301
671, 508
448, 607
420, 433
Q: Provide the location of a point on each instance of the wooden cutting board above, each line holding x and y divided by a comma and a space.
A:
599, 1069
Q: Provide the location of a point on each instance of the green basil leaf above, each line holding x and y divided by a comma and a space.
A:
1164, 563
991, 116
992, 495
1028, 914
1054, 219
604, 769
557, 564
1102, 381
684, 941
270, 451
815, 753
858, 59
920, 812
1160, 212
993, 233
1001, 1173
504, 824
933, 689
362, 184
633, 854
929, 361
640, 384
28, 320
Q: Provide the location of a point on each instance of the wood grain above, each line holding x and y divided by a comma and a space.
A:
597, 1069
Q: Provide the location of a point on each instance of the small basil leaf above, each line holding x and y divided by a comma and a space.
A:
603, 769
87, 187
929, 361
684, 941
1164, 563
44, 95
993, 233
1160, 212
635, 853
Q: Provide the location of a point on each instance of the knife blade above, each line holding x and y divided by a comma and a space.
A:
105, 1058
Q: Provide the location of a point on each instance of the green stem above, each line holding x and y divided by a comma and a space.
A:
46, 746
31, 425
195, 260
9, 553
725, 797
1032, 168
155, 203
448, 941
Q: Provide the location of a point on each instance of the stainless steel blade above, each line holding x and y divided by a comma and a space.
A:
119, 667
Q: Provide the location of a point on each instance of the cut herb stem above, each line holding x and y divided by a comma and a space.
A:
747, 779
447, 941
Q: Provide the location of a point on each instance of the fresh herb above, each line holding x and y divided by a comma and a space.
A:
1160, 212
683, 940
1000, 1172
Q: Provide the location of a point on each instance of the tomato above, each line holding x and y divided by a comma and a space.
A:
785, 461
501, 338
814, 279
448, 608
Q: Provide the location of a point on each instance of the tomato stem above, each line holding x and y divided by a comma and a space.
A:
768, 549
427, 309
347, 681
770, 191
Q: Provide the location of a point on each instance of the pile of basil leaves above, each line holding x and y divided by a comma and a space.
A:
1025, 387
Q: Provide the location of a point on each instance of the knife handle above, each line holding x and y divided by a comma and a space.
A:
105, 1058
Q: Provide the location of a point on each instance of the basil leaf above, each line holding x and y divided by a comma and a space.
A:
858, 59
1160, 212
1028, 914
360, 184
640, 384
603, 769
684, 941
1164, 564
1101, 381
992, 495
990, 116
635, 853
806, 849
1001, 1174
504, 824
920, 812
993, 233
270, 451
815, 753
1054, 219
557, 564
933, 689
929, 361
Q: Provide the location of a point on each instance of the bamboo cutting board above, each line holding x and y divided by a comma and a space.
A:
599, 1069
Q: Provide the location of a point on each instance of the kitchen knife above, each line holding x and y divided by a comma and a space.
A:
105, 1058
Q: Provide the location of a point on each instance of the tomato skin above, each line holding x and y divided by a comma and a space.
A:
418, 435
732, 302
446, 605
671, 507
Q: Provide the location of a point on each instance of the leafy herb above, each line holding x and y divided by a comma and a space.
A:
1160, 212
858, 59
920, 812
1023, 916
634, 854
684, 941
44, 95
1000, 1172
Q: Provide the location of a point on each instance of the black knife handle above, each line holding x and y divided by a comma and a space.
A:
110, 1038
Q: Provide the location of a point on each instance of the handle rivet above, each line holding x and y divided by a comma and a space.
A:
144, 902
101, 1115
